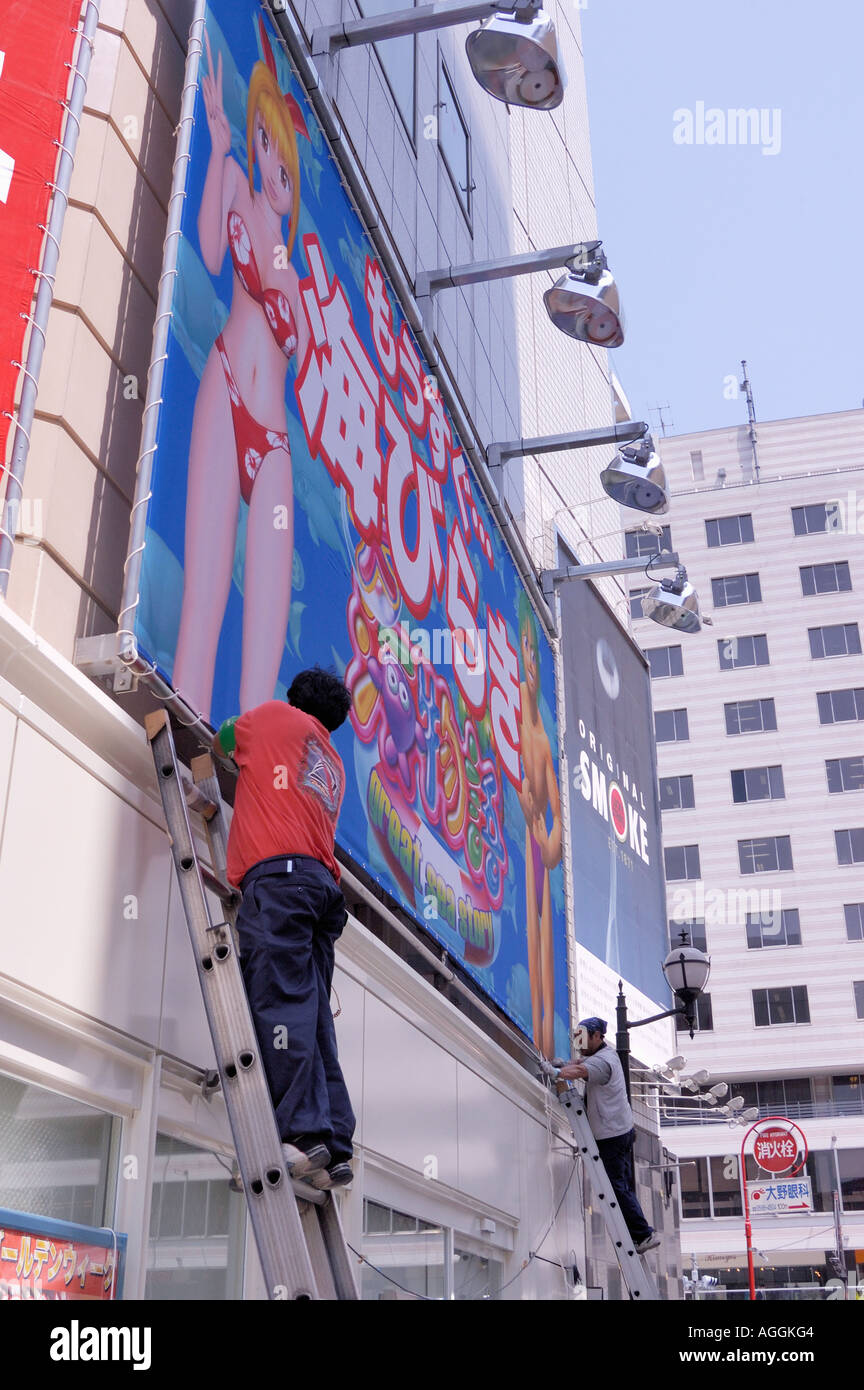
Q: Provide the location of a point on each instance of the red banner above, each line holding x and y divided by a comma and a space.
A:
55, 1260
36, 43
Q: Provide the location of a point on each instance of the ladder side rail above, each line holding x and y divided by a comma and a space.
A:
285, 1260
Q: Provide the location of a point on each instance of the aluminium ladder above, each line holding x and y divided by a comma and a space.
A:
636, 1275
296, 1226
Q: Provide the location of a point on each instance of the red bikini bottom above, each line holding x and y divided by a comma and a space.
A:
253, 441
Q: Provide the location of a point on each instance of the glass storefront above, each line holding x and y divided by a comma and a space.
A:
410, 1258
197, 1225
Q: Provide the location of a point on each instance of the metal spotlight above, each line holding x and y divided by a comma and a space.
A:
674, 603
517, 60
636, 478
585, 302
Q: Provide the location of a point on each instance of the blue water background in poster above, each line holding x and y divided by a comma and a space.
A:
392, 550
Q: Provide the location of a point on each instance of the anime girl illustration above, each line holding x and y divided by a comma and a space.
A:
538, 794
239, 446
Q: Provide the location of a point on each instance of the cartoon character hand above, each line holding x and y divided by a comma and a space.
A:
211, 90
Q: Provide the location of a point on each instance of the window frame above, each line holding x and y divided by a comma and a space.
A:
721, 544
674, 713
859, 906
463, 196
794, 1022
736, 603
687, 877
661, 542
670, 674
831, 627
839, 567
773, 783
734, 664
857, 693
682, 779
775, 840
736, 705
849, 830
839, 762
752, 927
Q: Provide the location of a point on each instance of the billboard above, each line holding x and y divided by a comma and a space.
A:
618, 882
310, 503
41, 1258
36, 44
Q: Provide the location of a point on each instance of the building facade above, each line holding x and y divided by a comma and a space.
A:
758, 722
104, 1119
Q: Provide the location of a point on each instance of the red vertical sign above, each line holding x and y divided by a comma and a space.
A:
36, 46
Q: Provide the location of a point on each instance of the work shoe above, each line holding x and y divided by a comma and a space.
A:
301, 1162
336, 1175
649, 1243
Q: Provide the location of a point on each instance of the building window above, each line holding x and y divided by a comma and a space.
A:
636, 596
729, 530
407, 1249
818, 516
779, 1096
850, 846
197, 1226
735, 589
725, 1185
454, 141
832, 578
766, 855
758, 784
779, 928
695, 929
851, 1165
676, 793
854, 914
695, 1192
670, 726
742, 651
845, 774
750, 716
682, 861
475, 1277
841, 706
397, 57
704, 1017
643, 543
775, 1006
665, 661
697, 467
840, 639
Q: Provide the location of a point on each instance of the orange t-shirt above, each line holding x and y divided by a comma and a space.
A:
289, 790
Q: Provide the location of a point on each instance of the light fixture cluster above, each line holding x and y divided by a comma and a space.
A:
694, 1087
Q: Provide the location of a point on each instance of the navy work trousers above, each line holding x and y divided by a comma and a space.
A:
617, 1156
288, 923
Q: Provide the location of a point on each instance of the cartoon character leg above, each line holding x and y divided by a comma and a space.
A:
267, 577
532, 924
212, 502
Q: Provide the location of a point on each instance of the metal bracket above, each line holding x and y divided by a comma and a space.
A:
99, 657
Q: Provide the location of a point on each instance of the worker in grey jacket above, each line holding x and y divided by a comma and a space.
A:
611, 1121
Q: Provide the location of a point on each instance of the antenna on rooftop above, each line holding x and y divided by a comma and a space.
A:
751, 418
661, 422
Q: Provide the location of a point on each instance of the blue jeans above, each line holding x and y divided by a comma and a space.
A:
617, 1156
288, 925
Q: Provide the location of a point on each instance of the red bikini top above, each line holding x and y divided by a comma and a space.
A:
273, 302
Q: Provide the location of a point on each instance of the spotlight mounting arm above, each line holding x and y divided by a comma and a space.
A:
498, 454
429, 282
550, 578
442, 14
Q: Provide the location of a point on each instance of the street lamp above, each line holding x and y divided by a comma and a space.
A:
686, 969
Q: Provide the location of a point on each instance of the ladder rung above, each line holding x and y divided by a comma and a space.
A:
218, 885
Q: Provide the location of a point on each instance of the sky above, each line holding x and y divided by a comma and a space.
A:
721, 251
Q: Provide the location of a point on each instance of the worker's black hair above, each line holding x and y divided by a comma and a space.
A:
322, 694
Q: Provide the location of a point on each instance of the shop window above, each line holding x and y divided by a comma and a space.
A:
475, 1277
695, 1193
725, 1185
197, 1226
406, 1255
850, 1162
57, 1157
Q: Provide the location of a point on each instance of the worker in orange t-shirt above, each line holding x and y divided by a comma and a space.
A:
281, 854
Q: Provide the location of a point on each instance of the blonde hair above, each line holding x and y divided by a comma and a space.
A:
266, 100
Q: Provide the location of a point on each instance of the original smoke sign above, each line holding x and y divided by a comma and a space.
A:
619, 893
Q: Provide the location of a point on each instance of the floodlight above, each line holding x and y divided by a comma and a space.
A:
585, 302
636, 478
674, 603
515, 58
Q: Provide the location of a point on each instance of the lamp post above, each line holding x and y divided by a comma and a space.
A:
686, 969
